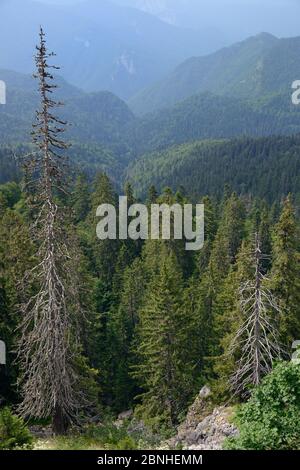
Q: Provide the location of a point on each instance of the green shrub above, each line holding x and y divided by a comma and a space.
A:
112, 437
270, 419
127, 443
13, 432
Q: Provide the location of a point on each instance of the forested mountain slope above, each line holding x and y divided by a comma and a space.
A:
97, 118
252, 68
104, 119
107, 136
208, 116
266, 167
89, 159
95, 319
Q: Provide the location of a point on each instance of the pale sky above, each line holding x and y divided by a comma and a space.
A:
235, 18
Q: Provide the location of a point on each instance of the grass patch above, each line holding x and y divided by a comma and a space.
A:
107, 436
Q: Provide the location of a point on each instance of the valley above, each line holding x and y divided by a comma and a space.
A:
149, 229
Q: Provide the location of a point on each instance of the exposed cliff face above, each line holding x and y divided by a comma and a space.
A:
203, 429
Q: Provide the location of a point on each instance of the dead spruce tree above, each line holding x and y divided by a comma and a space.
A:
256, 340
49, 350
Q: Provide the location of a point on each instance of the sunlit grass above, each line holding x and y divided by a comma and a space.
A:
68, 443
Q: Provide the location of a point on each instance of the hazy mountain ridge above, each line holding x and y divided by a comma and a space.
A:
104, 122
250, 69
104, 119
94, 117
232, 19
102, 46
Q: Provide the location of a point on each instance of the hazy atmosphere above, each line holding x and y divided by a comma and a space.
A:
231, 17
125, 45
149, 231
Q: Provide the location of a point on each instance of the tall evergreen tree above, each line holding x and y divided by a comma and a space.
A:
152, 195
164, 368
285, 274
49, 349
210, 229
223, 256
228, 239
16, 255
80, 199
103, 252
122, 333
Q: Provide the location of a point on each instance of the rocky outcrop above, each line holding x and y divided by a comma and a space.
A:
125, 415
204, 428
212, 431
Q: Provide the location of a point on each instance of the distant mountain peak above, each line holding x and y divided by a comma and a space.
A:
265, 35
250, 69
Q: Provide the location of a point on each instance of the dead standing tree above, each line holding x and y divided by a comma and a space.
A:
48, 345
256, 340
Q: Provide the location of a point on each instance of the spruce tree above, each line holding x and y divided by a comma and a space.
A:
103, 256
152, 195
210, 229
228, 240
225, 248
122, 327
103, 252
285, 274
49, 348
80, 199
264, 232
164, 368
16, 255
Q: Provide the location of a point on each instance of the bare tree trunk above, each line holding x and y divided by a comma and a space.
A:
60, 424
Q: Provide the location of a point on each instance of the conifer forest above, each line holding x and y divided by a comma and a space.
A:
145, 342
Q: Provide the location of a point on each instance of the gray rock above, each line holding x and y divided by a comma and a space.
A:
125, 415
205, 392
208, 434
